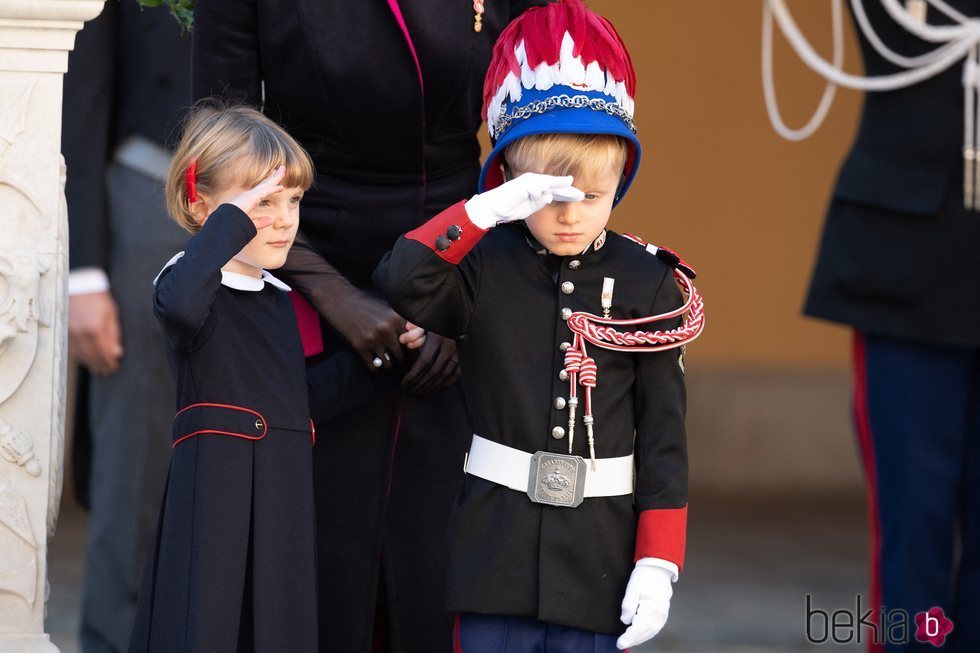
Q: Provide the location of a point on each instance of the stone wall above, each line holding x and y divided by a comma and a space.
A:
35, 37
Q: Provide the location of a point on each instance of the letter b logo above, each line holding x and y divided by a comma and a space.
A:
932, 626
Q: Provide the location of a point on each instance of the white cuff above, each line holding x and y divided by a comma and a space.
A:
663, 564
85, 281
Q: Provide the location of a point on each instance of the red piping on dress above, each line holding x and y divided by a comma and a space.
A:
265, 425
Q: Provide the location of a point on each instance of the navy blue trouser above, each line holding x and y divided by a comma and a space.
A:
917, 409
485, 633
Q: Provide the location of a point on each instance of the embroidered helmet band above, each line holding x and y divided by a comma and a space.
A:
557, 69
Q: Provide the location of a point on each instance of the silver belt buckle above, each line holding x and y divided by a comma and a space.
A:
556, 479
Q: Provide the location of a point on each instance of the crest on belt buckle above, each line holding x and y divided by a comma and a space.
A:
556, 479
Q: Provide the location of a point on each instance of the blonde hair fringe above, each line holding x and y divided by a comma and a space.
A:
584, 156
232, 144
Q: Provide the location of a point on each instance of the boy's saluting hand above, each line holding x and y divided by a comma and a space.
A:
519, 198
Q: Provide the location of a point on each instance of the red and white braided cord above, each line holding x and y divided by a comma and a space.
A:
602, 332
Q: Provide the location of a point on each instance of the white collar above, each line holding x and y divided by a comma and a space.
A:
245, 282
236, 280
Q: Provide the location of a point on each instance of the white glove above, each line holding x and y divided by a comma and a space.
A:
647, 601
519, 198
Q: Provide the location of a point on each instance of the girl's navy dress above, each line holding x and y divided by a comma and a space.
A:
233, 565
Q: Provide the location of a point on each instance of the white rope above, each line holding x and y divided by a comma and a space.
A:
925, 31
958, 41
969, 133
887, 53
769, 88
972, 86
957, 49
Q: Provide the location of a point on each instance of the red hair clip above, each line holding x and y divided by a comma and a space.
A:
190, 181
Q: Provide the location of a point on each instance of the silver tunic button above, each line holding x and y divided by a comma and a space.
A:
558, 433
559, 403
564, 346
568, 287
573, 265
563, 375
566, 313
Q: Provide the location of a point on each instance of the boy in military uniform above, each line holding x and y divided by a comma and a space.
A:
572, 519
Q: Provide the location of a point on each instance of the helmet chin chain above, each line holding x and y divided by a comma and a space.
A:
602, 331
957, 41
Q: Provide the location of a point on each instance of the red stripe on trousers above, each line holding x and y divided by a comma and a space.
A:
863, 423
457, 647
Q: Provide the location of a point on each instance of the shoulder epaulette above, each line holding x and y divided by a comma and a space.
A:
665, 254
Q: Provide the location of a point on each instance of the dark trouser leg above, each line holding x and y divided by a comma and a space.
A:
480, 633
434, 435
484, 633
966, 636
915, 399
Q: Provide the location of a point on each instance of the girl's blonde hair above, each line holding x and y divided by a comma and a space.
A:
585, 156
230, 144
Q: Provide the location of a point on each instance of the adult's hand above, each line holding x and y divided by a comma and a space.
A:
94, 334
364, 320
369, 325
436, 367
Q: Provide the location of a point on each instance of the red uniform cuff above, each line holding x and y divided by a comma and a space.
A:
662, 533
450, 234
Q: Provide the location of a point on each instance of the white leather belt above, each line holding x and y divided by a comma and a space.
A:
517, 470
142, 155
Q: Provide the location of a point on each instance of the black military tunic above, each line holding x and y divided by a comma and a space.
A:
504, 302
233, 566
898, 252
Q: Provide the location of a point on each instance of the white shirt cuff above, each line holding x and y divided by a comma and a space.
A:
84, 281
663, 564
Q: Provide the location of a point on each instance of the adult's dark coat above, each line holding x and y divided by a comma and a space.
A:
128, 74
899, 252
394, 141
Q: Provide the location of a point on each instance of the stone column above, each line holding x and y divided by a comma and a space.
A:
35, 37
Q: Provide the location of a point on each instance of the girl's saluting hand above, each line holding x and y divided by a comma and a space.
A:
248, 200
